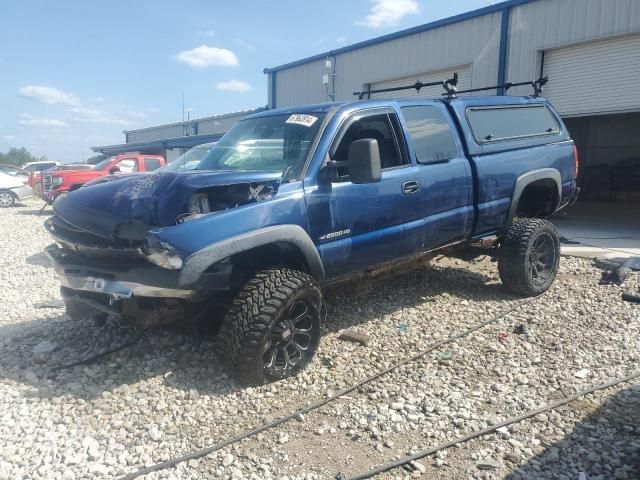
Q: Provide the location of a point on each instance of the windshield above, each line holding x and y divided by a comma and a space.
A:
188, 160
278, 143
102, 164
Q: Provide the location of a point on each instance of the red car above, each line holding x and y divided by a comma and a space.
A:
61, 181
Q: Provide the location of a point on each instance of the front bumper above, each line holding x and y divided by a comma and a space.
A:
118, 282
23, 192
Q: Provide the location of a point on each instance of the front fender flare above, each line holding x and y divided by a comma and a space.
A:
526, 179
199, 261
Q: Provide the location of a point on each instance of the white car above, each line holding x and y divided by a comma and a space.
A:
13, 189
40, 166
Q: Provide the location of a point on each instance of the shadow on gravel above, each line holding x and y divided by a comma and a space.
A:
604, 446
46, 213
40, 259
179, 357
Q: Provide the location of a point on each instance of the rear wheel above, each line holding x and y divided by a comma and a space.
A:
7, 199
272, 329
529, 256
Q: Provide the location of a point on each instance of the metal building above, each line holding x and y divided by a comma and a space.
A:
172, 140
590, 49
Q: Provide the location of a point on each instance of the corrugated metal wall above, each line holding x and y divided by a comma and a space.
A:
172, 153
475, 41
546, 24
464, 81
214, 124
533, 27
155, 133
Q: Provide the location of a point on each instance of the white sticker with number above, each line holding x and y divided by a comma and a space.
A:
302, 119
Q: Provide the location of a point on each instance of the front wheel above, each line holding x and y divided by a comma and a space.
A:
7, 199
272, 329
529, 256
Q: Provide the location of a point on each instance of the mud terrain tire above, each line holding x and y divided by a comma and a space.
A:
277, 310
529, 256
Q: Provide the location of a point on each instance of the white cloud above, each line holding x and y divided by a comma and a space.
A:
246, 45
138, 114
28, 120
208, 33
387, 13
341, 39
234, 86
205, 56
49, 95
153, 109
98, 99
93, 115
86, 111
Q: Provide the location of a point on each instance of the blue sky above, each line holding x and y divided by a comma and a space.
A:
75, 74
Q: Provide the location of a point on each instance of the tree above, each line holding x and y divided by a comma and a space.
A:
18, 156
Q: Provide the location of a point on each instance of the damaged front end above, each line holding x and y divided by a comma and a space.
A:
110, 253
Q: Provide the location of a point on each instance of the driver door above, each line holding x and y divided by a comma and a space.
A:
359, 226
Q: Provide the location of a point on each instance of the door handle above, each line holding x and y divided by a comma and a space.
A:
410, 187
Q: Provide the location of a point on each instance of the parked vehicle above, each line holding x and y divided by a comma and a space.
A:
14, 171
35, 178
190, 159
40, 166
12, 190
61, 181
292, 199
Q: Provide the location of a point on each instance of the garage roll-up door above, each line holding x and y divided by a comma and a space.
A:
464, 81
594, 78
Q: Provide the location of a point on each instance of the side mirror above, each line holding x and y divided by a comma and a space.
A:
362, 164
114, 169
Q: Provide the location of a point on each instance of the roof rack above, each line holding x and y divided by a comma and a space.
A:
451, 90
536, 84
448, 85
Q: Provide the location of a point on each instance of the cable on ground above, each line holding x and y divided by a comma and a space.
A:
101, 354
319, 403
531, 413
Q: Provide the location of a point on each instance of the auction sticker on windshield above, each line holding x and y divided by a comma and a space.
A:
302, 119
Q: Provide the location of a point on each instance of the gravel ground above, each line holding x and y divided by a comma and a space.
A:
167, 395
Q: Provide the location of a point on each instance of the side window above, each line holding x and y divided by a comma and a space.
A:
493, 124
128, 165
431, 134
151, 164
378, 127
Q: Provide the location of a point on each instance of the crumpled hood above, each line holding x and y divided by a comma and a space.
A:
147, 199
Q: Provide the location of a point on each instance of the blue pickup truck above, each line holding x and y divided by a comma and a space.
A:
292, 199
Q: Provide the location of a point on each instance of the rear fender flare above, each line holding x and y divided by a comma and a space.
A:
528, 178
199, 261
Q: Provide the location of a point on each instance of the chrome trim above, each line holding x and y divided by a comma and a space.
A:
77, 277
118, 290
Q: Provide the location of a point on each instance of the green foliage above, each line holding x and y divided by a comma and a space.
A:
18, 156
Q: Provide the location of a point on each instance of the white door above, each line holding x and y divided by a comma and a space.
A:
464, 82
594, 78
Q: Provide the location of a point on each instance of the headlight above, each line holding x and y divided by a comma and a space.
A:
199, 203
163, 255
56, 181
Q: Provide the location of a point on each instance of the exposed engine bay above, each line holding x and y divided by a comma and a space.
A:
225, 197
